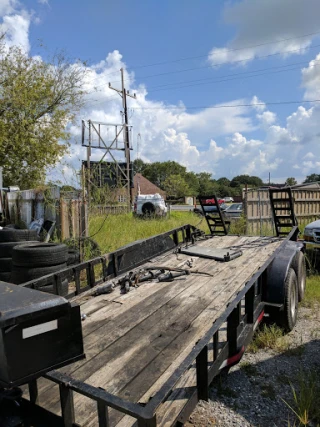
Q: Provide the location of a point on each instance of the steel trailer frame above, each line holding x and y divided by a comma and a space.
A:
242, 317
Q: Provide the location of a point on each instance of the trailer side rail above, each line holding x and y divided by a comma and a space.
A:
91, 273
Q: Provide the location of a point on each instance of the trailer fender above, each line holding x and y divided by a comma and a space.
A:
278, 270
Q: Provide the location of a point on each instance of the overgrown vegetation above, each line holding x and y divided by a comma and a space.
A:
312, 294
119, 230
268, 337
306, 398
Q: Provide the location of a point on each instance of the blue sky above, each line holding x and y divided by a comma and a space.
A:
267, 51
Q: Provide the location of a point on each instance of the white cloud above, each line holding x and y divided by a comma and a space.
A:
15, 24
309, 156
264, 21
258, 104
311, 79
7, 6
213, 139
267, 118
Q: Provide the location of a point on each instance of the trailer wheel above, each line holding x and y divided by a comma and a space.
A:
299, 266
288, 317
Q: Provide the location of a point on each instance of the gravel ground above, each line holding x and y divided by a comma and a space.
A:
251, 394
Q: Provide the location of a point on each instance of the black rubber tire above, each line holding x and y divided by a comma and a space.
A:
6, 248
5, 276
49, 289
89, 246
148, 208
24, 274
299, 266
5, 265
11, 235
39, 254
288, 317
73, 257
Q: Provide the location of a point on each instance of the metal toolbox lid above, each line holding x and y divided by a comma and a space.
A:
19, 304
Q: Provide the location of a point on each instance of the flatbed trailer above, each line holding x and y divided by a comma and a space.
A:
152, 353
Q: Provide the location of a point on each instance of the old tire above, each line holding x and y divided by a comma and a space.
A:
288, 317
73, 257
5, 276
5, 264
24, 274
39, 254
12, 226
6, 248
299, 266
50, 289
89, 247
12, 235
148, 209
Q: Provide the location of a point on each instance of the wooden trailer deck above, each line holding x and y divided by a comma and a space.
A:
134, 342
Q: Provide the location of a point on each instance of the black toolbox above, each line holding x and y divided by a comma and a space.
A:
38, 332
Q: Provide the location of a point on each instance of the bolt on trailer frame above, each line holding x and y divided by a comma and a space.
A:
241, 316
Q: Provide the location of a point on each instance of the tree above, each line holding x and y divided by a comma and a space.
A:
291, 181
175, 186
207, 187
158, 172
241, 180
37, 101
223, 181
192, 181
139, 166
312, 178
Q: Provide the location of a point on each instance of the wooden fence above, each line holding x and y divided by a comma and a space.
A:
69, 211
258, 213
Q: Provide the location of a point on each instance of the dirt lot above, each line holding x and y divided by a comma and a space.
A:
254, 391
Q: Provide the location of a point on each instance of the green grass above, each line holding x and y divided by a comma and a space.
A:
115, 231
312, 295
268, 337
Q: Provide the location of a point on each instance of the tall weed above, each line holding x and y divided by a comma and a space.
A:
306, 398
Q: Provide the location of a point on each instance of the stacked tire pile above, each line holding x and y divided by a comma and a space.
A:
9, 239
34, 260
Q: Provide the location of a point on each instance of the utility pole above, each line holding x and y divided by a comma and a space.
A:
124, 93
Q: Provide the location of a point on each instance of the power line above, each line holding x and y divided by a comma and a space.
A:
226, 62
217, 64
257, 104
213, 65
223, 78
229, 79
234, 76
226, 50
